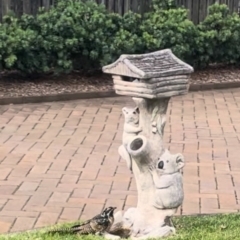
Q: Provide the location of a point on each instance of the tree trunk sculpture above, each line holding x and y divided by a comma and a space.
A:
156, 171
158, 76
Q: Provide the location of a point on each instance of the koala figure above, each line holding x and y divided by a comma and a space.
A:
168, 180
131, 125
130, 129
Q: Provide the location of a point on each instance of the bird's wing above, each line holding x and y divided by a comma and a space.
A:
80, 225
102, 221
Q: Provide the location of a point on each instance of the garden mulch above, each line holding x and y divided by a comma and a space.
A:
15, 85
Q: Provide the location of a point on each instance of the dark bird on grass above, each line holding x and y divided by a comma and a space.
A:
97, 225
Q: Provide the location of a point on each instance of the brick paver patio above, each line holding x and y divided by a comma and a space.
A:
59, 161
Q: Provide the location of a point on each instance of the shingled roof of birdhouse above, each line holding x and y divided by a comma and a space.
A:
151, 65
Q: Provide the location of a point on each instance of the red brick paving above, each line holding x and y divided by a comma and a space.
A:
59, 161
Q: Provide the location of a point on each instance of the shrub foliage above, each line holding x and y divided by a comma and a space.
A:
76, 34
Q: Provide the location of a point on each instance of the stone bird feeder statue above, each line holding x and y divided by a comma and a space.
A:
151, 80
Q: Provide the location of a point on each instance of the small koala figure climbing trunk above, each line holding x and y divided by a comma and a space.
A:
131, 125
130, 130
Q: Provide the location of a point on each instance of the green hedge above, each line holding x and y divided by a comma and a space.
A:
84, 35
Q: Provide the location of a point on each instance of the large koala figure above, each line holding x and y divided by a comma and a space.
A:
168, 180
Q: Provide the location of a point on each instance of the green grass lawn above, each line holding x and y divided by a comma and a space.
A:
217, 227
